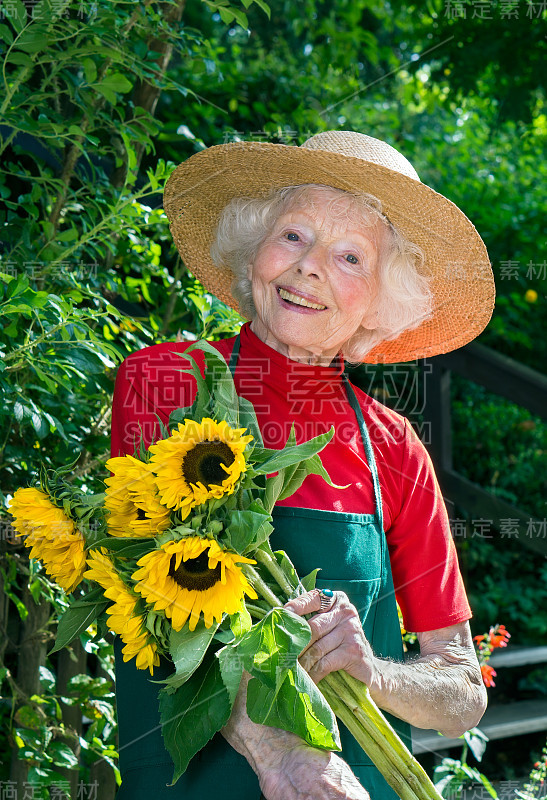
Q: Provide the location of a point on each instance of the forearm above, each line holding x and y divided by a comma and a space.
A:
440, 691
259, 744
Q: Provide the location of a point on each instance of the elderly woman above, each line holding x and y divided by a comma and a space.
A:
334, 250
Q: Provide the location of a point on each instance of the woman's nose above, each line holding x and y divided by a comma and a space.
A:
313, 263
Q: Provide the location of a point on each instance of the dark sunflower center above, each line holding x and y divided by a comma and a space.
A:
202, 464
195, 574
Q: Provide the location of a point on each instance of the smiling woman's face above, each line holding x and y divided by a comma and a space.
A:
314, 278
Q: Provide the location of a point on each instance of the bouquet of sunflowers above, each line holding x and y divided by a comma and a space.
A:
178, 554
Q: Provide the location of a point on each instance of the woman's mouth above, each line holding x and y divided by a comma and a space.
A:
298, 300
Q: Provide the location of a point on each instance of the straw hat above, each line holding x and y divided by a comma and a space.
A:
455, 256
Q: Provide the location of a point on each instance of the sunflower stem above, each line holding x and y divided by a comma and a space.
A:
376, 736
269, 561
261, 586
255, 611
376, 752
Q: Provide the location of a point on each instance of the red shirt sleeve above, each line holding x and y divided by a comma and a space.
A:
424, 562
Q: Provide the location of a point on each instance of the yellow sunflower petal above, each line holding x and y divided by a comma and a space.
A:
199, 461
50, 535
193, 578
132, 500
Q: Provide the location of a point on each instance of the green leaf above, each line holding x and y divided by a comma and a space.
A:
90, 69
78, 617
62, 755
187, 650
29, 717
179, 415
248, 528
226, 15
297, 706
476, 741
282, 694
202, 401
16, 57
106, 91
20, 606
191, 715
123, 546
39, 424
47, 678
286, 565
294, 454
308, 581
116, 82
220, 384
6, 35
33, 41
231, 669
17, 286
240, 18
264, 6
71, 233
247, 419
488, 786
17, 15
311, 466
241, 622
84, 360
274, 486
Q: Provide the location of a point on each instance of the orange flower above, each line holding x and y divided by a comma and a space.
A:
499, 636
488, 675
479, 639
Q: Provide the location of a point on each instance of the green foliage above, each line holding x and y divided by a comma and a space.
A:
453, 776
282, 693
194, 713
503, 448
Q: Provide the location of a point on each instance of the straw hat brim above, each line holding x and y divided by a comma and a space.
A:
455, 255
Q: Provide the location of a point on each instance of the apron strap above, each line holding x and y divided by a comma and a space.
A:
235, 355
354, 403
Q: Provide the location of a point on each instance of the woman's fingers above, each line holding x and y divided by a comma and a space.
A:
311, 602
337, 639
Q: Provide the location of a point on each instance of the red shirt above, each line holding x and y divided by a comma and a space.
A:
428, 584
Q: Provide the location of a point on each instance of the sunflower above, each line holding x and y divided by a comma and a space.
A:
51, 535
122, 617
199, 461
190, 576
132, 499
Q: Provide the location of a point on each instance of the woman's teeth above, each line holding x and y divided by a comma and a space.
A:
299, 301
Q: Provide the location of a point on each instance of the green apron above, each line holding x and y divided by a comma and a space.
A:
351, 550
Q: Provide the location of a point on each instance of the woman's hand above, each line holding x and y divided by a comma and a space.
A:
287, 767
305, 773
442, 689
337, 640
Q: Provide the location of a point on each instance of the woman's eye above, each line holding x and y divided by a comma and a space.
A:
352, 259
293, 237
